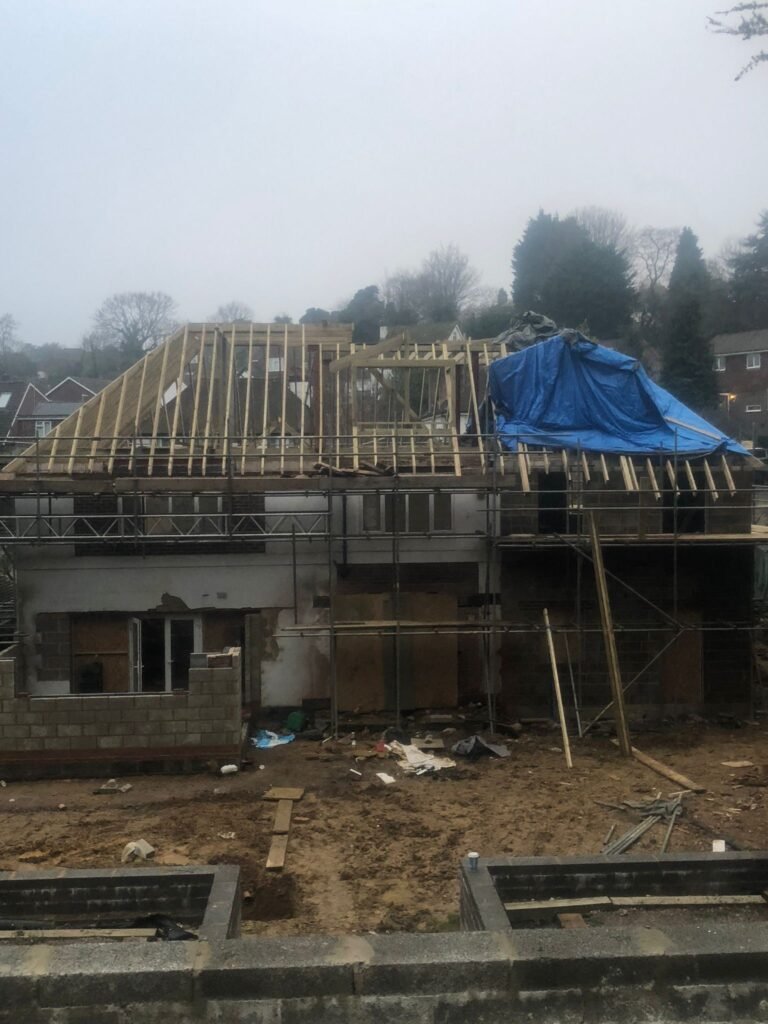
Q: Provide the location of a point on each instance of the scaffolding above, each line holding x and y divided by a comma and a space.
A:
200, 444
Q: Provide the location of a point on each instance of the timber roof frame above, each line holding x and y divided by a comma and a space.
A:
246, 400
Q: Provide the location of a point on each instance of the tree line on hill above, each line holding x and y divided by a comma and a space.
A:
649, 291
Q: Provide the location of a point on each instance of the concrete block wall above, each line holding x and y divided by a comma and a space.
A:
201, 722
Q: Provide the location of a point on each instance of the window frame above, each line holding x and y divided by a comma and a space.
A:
753, 408
380, 507
135, 659
718, 364
754, 360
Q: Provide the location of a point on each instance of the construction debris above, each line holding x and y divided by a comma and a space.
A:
475, 746
412, 761
113, 786
138, 850
388, 780
654, 811
265, 740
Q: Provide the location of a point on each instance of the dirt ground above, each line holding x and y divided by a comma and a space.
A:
368, 857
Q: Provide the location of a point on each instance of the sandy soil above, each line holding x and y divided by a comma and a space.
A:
369, 857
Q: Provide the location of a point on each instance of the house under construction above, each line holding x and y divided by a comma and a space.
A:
358, 525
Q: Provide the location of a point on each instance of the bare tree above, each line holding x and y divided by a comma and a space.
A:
403, 295
750, 23
449, 282
135, 321
233, 312
606, 227
9, 339
654, 254
437, 292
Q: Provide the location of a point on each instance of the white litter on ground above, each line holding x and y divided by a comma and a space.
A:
414, 761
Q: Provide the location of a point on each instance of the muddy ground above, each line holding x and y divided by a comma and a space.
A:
368, 857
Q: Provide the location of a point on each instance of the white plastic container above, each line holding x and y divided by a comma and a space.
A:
229, 769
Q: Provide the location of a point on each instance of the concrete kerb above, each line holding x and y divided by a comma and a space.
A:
111, 973
683, 962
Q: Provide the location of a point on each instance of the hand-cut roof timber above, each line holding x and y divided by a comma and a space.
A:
265, 400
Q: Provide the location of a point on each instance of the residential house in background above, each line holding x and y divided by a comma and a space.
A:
33, 409
741, 367
16, 398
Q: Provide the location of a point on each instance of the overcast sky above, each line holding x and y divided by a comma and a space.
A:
288, 152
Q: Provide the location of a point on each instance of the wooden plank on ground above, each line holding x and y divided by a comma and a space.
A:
686, 901
571, 921
79, 933
538, 908
283, 793
282, 825
277, 852
662, 769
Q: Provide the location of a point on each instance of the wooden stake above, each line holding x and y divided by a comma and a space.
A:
611, 654
558, 694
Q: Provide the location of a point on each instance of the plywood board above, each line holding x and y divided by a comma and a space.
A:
102, 638
363, 663
681, 665
429, 664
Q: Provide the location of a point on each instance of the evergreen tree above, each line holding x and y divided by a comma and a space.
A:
589, 287
689, 272
687, 370
366, 311
545, 239
560, 272
749, 283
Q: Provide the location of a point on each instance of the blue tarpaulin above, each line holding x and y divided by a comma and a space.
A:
568, 392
